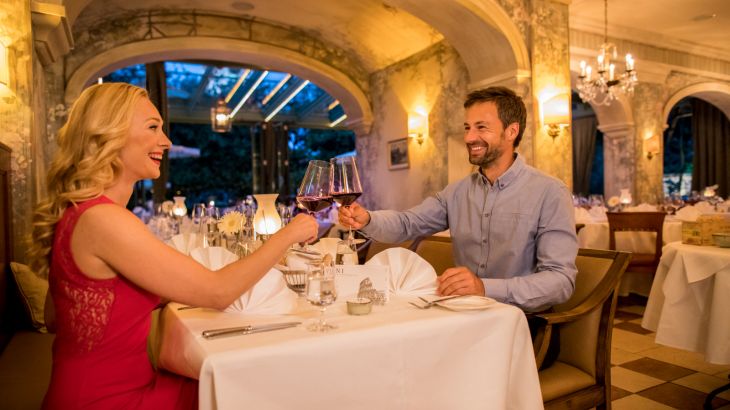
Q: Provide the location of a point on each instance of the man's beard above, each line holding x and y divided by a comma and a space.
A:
487, 158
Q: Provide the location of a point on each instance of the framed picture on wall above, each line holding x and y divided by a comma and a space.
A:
398, 154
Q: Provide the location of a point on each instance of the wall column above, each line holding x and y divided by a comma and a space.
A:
618, 158
550, 50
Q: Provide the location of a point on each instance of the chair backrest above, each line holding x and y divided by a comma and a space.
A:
585, 343
637, 222
374, 247
437, 251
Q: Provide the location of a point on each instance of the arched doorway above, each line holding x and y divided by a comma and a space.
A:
698, 138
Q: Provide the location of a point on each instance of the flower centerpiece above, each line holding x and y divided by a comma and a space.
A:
613, 203
231, 223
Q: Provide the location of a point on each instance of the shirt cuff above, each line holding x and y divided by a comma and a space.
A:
496, 289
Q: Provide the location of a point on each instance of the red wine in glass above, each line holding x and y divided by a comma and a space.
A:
315, 204
345, 198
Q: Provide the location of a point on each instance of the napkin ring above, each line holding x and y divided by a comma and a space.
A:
359, 306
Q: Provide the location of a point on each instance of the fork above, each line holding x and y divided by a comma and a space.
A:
419, 306
433, 302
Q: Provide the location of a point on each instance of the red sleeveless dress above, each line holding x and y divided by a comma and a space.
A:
100, 352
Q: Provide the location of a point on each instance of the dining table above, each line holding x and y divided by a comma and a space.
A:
689, 302
396, 357
595, 235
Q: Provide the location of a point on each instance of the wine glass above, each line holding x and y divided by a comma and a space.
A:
345, 186
314, 192
320, 291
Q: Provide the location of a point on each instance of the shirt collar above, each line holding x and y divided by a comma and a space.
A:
510, 175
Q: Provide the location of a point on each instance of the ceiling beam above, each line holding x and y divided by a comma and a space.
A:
321, 101
201, 88
294, 84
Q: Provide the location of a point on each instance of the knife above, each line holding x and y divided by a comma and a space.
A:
246, 330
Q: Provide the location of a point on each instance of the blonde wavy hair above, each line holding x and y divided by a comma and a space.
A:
86, 161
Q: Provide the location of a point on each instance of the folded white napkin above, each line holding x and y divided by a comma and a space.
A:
644, 207
705, 207
409, 273
327, 246
214, 257
184, 242
688, 214
598, 214
582, 215
270, 296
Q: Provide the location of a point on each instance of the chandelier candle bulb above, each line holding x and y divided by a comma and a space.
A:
611, 69
629, 62
582, 68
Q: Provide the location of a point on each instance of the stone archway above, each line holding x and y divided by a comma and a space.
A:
354, 101
717, 94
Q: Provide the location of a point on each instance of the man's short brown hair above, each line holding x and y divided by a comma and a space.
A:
510, 106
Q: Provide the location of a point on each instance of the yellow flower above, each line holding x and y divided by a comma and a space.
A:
230, 223
613, 201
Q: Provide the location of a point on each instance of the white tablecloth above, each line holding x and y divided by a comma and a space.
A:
398, 357
594, 235
689, 303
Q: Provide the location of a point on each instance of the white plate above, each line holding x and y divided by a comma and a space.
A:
467, 303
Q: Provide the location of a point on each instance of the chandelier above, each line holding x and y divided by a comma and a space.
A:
602, 89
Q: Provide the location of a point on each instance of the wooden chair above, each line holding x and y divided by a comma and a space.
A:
580, 378
638, 222
437, 251
375, 247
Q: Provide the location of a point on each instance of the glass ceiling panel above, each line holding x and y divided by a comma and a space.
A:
195, 87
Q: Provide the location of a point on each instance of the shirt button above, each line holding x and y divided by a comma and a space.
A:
487, 214
484, 241
482, 266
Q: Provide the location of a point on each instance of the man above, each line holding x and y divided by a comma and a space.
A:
512, 226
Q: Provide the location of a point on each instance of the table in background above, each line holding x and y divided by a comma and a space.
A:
594, 235
397, 357
689, 303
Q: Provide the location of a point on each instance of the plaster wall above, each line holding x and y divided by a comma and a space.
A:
434, 81
551, 77
19, 125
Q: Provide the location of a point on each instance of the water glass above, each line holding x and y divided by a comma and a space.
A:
320, 291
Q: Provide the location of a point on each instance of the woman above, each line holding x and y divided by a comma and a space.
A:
107, 271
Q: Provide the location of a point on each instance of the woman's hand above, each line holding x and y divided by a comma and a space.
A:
302, 228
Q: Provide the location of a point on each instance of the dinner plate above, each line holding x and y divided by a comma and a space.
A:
467, 303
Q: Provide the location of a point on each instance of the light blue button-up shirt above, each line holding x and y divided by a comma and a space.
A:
517, 234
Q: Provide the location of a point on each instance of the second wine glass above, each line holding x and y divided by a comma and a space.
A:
345, 185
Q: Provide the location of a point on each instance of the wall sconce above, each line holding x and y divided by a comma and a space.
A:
220, 117
4, 66
556, 114
651, 146
417, 127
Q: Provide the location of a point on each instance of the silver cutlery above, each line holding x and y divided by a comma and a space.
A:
433, 302
246, 330
187, 307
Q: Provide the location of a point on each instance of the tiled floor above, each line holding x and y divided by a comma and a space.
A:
649, 376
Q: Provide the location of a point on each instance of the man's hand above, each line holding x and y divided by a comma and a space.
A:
460, 281
354, 216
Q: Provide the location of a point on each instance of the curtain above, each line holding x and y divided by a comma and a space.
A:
271, 160
584, 147
711, 138
157, 89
